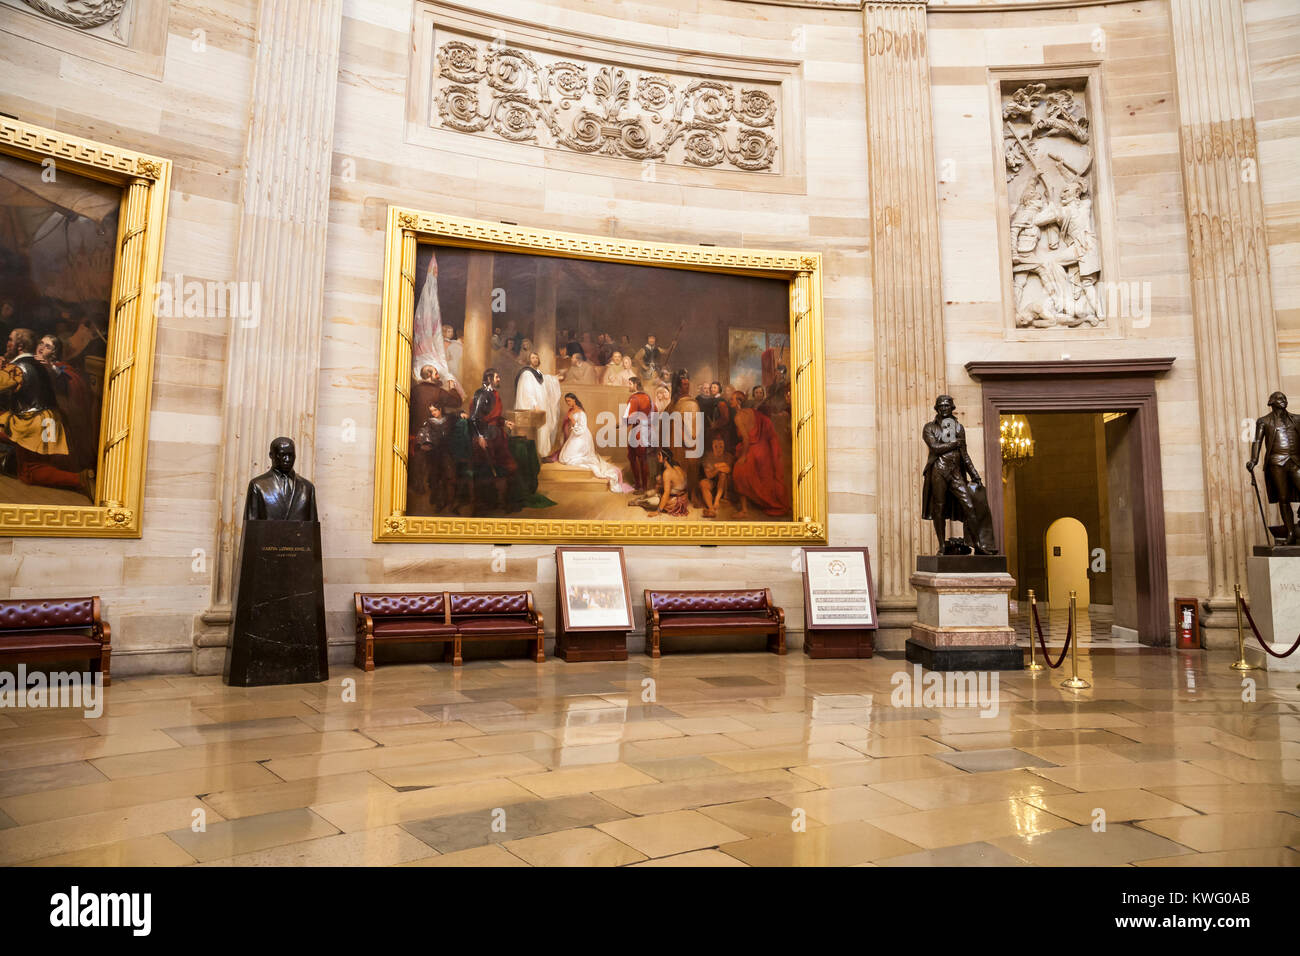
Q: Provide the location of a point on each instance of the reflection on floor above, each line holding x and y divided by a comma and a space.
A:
737, 759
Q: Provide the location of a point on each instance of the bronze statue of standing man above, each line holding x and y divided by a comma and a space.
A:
1277, 435
951, 487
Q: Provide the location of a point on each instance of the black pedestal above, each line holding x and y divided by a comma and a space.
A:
965, 658
1277, 551
962, 563
278, 635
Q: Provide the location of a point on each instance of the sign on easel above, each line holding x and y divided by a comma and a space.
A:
839, 607
593, 605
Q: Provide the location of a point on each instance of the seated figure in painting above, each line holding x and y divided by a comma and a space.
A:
671, 495
579, 449
581, 372
30, 421
758, 474
716, 467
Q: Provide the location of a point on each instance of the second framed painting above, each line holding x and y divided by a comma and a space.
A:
564, 388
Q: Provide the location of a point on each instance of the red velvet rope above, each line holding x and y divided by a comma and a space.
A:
1069, 635
1263, 643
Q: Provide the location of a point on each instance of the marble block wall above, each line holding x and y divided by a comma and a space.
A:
191, 106
185, 93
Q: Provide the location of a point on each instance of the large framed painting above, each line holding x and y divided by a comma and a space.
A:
548, 386
81, 231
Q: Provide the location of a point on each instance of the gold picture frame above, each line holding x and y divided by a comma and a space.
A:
128, 375
406, 228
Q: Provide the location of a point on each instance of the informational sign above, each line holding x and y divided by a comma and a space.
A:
837, 586
593, 589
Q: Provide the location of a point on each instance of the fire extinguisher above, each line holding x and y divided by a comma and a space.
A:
1187, 624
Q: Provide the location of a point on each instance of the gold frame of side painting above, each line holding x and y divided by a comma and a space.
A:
801, 270
128, 362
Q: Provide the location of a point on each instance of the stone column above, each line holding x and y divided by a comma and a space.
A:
273, 355
544, 316
1232, 306
478, 320
907, 296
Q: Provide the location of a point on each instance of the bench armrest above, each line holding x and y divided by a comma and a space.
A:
534, 615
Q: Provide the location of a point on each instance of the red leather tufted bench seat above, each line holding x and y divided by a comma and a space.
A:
54, 629
446, 616
748, 611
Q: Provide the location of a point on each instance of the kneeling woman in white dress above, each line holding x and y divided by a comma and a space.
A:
580, 448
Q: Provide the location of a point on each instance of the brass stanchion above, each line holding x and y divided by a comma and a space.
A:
1033, 666
1241, 664
1074, 681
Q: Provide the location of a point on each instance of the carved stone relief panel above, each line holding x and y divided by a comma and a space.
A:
106, 19
1048, 157
494, 88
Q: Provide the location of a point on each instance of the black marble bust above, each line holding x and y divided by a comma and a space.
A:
281, 494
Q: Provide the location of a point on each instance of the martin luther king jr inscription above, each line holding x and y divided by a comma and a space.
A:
278, 635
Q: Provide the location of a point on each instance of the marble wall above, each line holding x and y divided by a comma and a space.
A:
192, 102
192, 109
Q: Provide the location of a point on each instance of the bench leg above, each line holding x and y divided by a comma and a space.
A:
540, 656
365, 656
456, 660
652, 644
105, 661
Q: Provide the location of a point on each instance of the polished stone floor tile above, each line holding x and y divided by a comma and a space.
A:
761, 817
1118, 806
384, 846
985, 761
455, 832
844, 804
1230, 831
969, 823
154, 850
725, 759
581, 847
247, 834
701, 858
965, 854
666, 834
479, 856
703, 791
1117, 845
845, 844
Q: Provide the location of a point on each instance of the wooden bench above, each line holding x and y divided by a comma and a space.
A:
683, 613
449, 617
55, 629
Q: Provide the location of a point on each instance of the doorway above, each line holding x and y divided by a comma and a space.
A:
1100, 466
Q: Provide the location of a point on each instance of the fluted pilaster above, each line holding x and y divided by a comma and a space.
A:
907, 295
1236, 337
273, 357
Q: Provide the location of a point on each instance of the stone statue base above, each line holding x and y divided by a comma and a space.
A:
278, 632
963, 616
1274, 582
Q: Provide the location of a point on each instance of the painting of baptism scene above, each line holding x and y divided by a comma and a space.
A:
58, 233
547, 387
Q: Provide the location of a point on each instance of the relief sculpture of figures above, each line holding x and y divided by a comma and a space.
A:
1277, 436
1055, 260
951, 487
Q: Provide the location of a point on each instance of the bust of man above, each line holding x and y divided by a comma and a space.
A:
280, 494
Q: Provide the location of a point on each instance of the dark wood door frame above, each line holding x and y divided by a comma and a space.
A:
1106, 385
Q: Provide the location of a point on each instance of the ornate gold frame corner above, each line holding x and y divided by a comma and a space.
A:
803, 270
128, 362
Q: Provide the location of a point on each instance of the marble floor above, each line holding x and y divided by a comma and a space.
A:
696, 759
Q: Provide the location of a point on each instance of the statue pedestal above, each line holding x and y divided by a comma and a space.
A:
278, 632
1273, 579
963, 616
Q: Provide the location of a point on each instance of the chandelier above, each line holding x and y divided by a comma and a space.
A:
1015, 441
